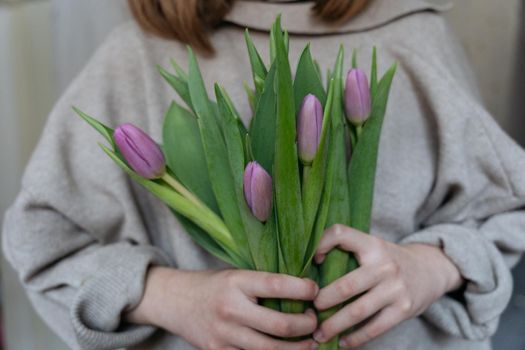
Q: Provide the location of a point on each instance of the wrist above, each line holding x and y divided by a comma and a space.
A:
440, 265
147, 310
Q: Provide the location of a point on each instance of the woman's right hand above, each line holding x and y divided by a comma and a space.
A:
219, 310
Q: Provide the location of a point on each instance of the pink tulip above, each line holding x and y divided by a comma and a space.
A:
258, 190
357, 97
309, 126
140, 151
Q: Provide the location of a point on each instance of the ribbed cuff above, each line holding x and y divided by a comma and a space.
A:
474, 313
118, 287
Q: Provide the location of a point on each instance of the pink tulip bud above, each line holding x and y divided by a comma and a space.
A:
309, 126
357, 97
140, 151
258, 190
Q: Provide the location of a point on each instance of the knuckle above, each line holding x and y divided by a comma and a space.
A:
376, 251
338, 230
391, 268
282, 327
345, 288
406, 305
231, 278
397, 289
226, 311
274, 284
357, 311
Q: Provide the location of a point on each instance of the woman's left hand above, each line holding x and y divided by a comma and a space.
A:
393, 283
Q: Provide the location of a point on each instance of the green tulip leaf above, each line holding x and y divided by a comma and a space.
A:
205, 241
259, 70
179, 85
250, 95
180, 72
373, 74
362, 168
185, 154
217, 158
336, 261
232, 135
262, 243
263, 125
286, 166
307, 80
104, 130
273, 40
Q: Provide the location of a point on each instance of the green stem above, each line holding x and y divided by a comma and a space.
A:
177, 186
204, 216
333, 344
306, 173
334, 266
358, 131
211, 223
293, 306
273, 304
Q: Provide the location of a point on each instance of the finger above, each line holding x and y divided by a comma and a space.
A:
348, 286
279, 286
344, 237
382, 322
353, 313
279, 324
251, 340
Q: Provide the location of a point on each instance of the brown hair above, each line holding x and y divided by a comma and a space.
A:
189, 21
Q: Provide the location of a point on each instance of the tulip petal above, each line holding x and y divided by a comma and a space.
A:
140, 151
357, 97
309, 128
258, 190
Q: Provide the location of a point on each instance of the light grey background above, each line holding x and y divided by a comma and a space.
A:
44, 43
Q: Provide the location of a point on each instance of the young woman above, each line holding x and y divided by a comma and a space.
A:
107, 265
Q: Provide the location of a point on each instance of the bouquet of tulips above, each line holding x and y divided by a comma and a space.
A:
260, 197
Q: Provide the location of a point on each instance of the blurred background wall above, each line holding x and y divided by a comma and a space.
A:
44, 43
27, 93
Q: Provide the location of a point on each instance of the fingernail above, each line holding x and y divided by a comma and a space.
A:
319, 336
343, 343
314, 346
310, 311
